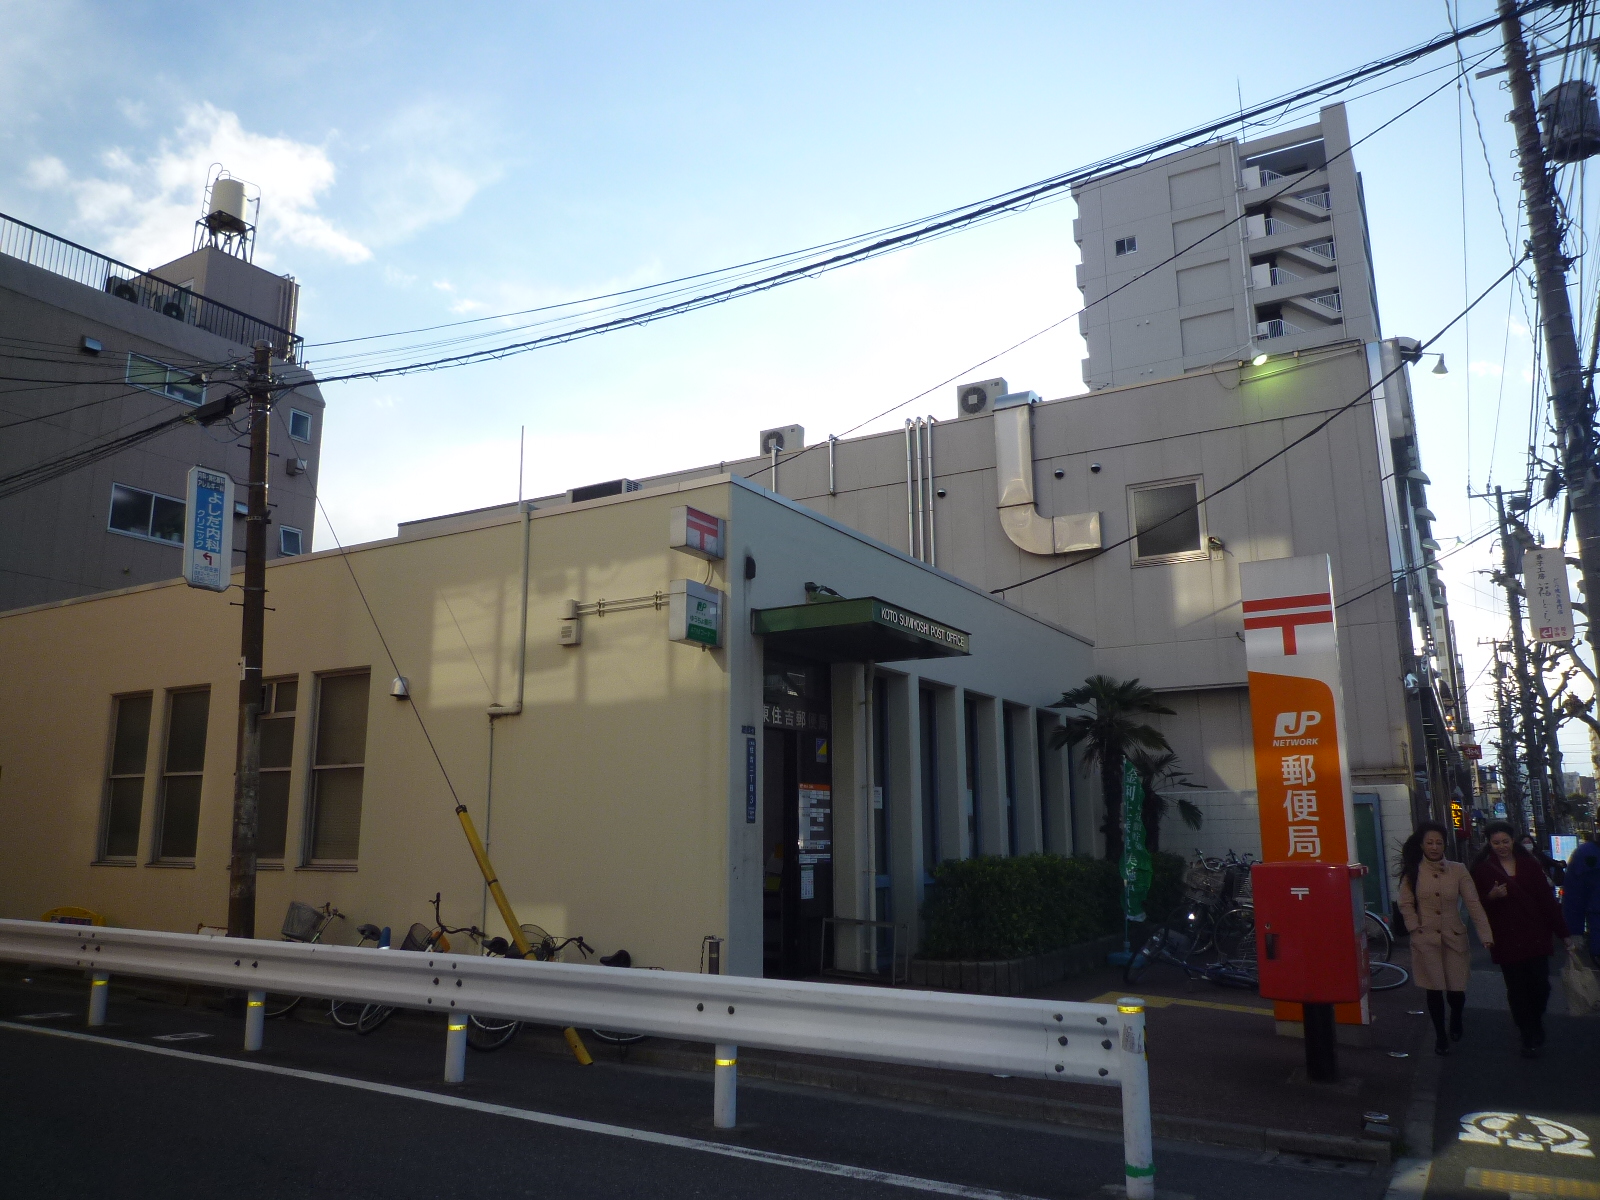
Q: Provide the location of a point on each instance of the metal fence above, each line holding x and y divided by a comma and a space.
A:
78, 263
1085, 1043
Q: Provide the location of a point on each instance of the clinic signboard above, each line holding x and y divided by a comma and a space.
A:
1544, 573
1297, 719
208, 530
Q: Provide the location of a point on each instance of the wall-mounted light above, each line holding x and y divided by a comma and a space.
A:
1259, 360
1438, 368
400, 689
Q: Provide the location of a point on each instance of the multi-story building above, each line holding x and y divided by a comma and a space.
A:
94, 349
1223, 252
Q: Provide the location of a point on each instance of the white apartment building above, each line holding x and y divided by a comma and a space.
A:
1223, 252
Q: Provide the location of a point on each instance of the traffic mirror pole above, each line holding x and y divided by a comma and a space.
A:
247, 777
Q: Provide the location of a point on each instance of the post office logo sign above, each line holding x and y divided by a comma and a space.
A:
1518, 1131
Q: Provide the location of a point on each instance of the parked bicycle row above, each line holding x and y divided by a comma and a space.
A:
1211, 934
307, 923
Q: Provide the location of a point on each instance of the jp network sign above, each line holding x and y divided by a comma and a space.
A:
208, 530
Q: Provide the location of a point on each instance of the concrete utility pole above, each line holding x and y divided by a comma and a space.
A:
247, 778
1532, 742
1571, 395
1510, 770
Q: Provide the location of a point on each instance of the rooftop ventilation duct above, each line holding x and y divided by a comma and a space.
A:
1019, 516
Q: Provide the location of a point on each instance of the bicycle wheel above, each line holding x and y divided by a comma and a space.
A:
1380, 941
1236, 935
344, 1013
1146, 954
281, 1006
617, 1039
490, 1033
372, 1017
1386, 976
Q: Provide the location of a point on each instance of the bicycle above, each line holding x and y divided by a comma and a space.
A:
419, 939
489, 1033
1380, 945
1212, 935
302, 923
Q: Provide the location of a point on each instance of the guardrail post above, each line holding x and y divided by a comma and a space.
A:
99, 985
725, 1095
255, 1019
1138, 1157
455, 1049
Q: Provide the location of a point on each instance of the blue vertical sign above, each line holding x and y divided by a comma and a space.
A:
208, 530
749, 779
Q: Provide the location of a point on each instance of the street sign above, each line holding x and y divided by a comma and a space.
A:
1472, 750
1544, 570
698, 533
694, 614
208, 530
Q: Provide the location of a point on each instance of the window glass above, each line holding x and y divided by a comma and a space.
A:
1127, 245
181, 782
286, 694
146, 514
337, 774
299, 425
974, 774
173, 382
166, 519
1166, 520
288, 540
119, 838
277, 762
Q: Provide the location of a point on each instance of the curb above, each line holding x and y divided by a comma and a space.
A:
1104, 1118
1411, 1173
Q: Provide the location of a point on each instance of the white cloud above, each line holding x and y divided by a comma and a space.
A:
1493, 370
144, 210
426, 165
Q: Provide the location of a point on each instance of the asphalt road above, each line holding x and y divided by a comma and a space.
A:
321, 1112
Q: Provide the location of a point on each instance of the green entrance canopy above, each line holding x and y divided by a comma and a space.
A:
865, 629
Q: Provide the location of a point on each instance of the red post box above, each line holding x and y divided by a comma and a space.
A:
1311, 942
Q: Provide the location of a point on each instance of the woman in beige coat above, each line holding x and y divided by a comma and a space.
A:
1432, 889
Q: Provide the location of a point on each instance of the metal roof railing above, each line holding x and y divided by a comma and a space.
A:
57, 255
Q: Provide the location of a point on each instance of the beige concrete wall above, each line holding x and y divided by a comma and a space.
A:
610, 788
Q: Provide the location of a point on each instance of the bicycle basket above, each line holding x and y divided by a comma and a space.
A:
1203, 881
301, 922
418, 937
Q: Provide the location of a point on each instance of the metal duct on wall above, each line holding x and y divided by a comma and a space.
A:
1019, 516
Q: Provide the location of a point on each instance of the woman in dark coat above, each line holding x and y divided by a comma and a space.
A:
1526, 920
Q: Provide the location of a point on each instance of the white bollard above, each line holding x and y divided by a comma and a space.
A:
1138, 1157
725, 1085
455, 1049
255, 1019
99, 985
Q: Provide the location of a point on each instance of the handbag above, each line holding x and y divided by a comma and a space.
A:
1581, 986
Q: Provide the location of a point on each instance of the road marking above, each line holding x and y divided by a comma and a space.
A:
54, 1016
1515, 1182
1169, 1001
1515, 1131
179, 1037
674, 1141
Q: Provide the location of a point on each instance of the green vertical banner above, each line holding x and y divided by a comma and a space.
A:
1136, 869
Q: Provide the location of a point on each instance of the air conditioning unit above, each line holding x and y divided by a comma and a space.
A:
785, 439
977, 399
295, 466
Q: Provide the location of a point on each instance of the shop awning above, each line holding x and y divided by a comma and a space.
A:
865, 629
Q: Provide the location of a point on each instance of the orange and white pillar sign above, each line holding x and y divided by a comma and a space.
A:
1291, 646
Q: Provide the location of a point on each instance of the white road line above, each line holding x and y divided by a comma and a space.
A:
765, 1157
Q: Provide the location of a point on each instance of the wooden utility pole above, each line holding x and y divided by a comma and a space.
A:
1532, 741
1571, 393
247, 778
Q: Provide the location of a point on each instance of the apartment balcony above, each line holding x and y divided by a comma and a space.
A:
1320, 306
1277, 328
1267, 182
1311, 206
1320, 254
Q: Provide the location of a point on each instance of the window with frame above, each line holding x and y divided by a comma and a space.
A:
182, 775
279, 699
1168, 524
1127, 245
299, 425
289, 541
338, 768
124, 803
175, 383
145, 514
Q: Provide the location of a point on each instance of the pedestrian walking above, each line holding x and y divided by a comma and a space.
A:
1432, 891
1580, 897
1525, 921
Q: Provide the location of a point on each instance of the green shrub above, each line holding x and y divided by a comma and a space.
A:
996, 908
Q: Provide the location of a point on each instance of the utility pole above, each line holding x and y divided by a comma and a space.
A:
1533, 744
1510, 769
1571, 397
247, 778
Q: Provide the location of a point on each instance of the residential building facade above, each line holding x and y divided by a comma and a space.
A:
96, 349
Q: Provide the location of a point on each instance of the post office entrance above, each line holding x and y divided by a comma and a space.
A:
797, 802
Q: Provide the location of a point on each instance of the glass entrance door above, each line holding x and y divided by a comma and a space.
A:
797, 799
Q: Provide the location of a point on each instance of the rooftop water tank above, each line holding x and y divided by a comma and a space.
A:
1571, 121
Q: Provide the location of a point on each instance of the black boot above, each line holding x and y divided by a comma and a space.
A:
1441, 1043
1458, 1001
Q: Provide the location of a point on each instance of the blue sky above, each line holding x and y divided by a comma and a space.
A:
422, 164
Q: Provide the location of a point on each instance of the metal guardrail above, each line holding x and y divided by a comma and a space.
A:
45, 250
1045, 1039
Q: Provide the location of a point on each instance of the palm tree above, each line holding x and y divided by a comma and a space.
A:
1109, 729
1158, 771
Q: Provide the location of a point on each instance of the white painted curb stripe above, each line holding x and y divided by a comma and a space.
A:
765, 1157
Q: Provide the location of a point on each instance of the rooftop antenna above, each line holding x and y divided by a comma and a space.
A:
224, 215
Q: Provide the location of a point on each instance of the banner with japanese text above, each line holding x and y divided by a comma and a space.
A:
1291, 645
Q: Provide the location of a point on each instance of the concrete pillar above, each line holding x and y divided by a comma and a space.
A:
852, 814
1024, 727
1055, 807
903, 785
994, 835
954, 838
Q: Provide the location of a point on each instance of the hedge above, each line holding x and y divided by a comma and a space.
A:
998, 908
